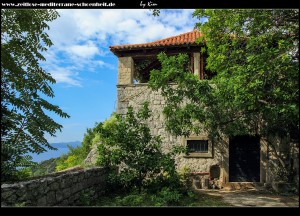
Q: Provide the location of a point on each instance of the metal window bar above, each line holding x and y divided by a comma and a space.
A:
200, 146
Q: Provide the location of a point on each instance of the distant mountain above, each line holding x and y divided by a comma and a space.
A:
62, 148
66, 144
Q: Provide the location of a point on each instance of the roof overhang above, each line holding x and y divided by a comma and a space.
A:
185, 41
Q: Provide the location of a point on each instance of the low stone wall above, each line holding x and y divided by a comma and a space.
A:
58, 189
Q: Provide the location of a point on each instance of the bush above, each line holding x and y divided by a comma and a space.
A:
23, 173
77, 155
74, 157
128, 144
131, 200
167, 197
86, 198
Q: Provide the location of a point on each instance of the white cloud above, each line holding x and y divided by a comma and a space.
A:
84, 51
178, 18
64, 31
82, 37
64, 75
104, 64
118, 25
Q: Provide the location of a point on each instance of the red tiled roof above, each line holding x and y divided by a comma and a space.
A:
188, 38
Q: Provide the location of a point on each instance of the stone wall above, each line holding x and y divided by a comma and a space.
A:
135, 95
58, 189
125, 70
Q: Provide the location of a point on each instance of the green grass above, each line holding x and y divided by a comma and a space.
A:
156, 200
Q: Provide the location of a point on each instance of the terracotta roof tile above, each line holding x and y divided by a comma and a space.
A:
182, 39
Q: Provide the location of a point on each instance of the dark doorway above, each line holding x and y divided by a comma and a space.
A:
244, 159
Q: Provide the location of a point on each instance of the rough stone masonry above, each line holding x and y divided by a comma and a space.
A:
59, 189
135, 95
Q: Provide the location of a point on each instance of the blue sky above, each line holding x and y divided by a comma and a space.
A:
84, 68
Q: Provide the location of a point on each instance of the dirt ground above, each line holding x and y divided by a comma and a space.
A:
254, 198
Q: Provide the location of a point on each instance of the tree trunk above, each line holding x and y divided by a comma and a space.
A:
281, 159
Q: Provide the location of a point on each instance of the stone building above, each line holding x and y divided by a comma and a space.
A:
229, 160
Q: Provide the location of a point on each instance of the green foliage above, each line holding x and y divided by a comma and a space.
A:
74, 157
139, 68
165, 197
23, 173
86, 198
127, 199
77, 155
23, 82
44, 167
181, 118
155, 12
109, 122
130, 200
129, 145
88, 139
92, 137
185, 176
22, 204
255, 56
96, 139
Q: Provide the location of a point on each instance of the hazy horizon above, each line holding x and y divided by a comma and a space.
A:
62, 148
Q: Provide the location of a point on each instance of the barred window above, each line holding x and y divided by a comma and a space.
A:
197, 146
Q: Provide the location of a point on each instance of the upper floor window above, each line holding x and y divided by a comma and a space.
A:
144, 64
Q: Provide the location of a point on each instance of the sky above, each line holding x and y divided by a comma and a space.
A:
83, 66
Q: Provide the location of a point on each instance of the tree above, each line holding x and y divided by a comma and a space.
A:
255, 56
129, 145
77, 155
88, 137
24, 85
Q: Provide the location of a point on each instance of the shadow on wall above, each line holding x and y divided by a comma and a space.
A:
223, 146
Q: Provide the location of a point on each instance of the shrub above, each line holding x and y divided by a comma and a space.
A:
131, 200
167, 197
128, 144
74, 157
